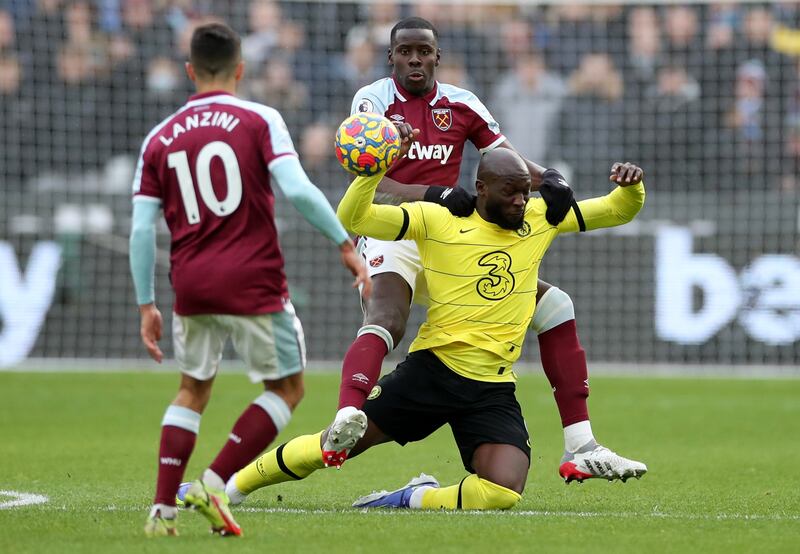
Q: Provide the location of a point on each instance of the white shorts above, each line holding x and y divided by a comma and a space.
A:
401, 257
271, 345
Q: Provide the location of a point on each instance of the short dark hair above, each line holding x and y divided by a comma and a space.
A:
413, 23
215, 50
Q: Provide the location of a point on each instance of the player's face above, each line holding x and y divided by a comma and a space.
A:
505, 201
414, 56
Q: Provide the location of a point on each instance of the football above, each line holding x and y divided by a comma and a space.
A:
367, 143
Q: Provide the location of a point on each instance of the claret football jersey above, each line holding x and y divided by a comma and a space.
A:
447, 117
208, 166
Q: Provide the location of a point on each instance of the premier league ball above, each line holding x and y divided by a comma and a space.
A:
367, 143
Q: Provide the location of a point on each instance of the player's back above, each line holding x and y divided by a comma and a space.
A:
208, 165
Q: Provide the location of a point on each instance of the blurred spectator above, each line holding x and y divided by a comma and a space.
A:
277, 87
150, 36
41, 39
527, 103
8, 39
356, 67
592, 129
381, 17
790, 180
70, 132
757, 30
577, 30
748, 150
16, 131
670, 138
683, 41
265, 19
643, 48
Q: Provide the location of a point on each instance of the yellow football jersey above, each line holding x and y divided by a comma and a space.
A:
481, 278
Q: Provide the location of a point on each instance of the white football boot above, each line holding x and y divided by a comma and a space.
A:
593, 461
346, 430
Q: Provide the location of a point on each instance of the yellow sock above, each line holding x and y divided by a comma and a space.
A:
472, 493
295, 460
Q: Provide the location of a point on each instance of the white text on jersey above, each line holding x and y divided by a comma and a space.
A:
205, 119
430, 152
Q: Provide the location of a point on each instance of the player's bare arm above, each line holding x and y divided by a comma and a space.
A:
352, 261
150, 330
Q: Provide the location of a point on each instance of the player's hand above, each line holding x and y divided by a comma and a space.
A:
150, 330
626, 174
352, 261
557, 194
408, 135
458, 200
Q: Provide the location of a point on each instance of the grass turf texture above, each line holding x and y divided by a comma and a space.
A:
721, 455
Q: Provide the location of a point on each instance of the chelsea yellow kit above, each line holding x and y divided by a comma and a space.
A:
481, 278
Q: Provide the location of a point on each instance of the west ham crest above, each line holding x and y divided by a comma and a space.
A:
376, 261
442, 118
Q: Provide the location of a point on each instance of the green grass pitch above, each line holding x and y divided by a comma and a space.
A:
722, 456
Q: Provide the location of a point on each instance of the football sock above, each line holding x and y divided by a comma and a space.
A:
472, 493
292, 461
564, 362
577, 435
362, 365
179, 430
255, 429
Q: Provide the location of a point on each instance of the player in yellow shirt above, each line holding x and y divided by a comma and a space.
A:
482, 273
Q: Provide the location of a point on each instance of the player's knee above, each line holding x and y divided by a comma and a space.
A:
392, 321
497, 497
554, 308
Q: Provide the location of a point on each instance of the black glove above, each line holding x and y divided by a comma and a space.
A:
558, 196
459, 201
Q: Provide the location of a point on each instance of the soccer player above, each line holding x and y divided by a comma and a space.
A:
481, 273
448, 116
210, 167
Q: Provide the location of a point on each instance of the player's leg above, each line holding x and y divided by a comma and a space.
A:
392, 407
564, 363
272, 346
292, 461
488, 427
198, 344
495, 448
395, 268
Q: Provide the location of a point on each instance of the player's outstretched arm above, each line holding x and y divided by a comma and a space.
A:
142, 257
616, 208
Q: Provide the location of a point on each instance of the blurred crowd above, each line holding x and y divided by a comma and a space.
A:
702, 96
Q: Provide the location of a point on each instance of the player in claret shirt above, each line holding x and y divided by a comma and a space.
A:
447, 117
210, 167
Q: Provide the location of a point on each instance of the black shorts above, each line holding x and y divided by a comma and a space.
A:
423, 394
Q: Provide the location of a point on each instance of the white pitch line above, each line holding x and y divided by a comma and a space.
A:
21, 499
471, 513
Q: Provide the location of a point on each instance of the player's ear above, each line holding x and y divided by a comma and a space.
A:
190, 71
438, 56
389, 59
239, 70
480, 187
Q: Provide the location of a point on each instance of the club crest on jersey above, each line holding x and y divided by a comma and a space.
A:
525, 230
376, 261
442, 118
374, 393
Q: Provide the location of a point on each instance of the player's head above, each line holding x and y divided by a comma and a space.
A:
503, 185
414, 54
215, 55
